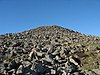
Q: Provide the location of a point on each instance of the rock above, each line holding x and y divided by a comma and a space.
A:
55, 52
73, 51
98, 48
14, 65
2, 67
76, 73
70, 67
98, 51
12, 72
91, 73
32, 55
64, 73
48, 59
57, 58
53, 72
62, 51
6, 63
26, 63
10, 48
16, 44
40, 69
19, 70
91, 48
40, 54
44, 50
97, 71
13, 53
74, 60
26, 70
33, 66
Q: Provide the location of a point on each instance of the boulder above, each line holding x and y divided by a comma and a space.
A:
91, 73
97, 71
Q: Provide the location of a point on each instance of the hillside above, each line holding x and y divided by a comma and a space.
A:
49, 50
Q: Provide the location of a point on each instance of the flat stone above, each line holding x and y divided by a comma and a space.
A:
97, 71
64, 73
19, 70
53, 71
73, 61
70, 67
91, 73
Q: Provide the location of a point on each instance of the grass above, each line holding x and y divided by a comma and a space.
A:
91, 61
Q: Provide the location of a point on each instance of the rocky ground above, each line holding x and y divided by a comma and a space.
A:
49, 50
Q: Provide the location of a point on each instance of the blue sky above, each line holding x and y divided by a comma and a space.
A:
79, 15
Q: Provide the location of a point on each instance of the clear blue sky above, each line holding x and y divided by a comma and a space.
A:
79, 15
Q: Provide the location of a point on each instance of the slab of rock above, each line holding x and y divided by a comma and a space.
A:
74, 60
20, 70
97, 71
91, 73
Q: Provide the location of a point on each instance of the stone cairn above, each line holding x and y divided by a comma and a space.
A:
47, 50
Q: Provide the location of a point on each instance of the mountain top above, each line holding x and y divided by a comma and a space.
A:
49, 50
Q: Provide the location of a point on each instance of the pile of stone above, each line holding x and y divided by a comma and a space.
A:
48, 50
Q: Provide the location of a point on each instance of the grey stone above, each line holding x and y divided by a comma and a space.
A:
70, 67
74, 60
91, 47
91, 73
40, 69
26, 63
97, 71
40, 54
53, 71
14, 65
64, 73
19, 70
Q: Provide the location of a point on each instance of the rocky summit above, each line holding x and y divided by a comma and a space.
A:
49, 50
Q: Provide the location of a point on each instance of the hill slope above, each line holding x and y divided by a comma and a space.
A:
49, 50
